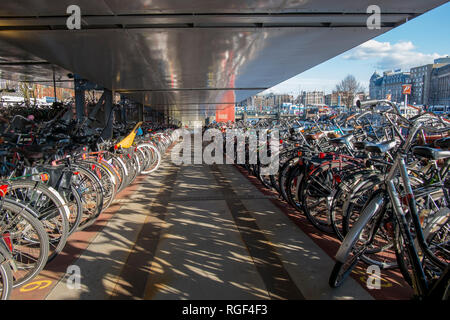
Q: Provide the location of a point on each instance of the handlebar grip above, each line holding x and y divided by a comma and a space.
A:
370, 102
375, 102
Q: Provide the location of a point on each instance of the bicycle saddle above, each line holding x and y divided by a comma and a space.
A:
315, 136
431, 153
343, 139
36, 152
380, 147
33, 152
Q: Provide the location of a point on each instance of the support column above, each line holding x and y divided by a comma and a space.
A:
123, 111
107, 132
79, 98
81, 85
140, 107
54, 85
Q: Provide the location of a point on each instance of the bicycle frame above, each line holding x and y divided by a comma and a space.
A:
376, 206
6, 256
420, 284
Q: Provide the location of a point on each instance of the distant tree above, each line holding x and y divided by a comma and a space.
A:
33, 94
25, 92
66, 95
28, 93
349, 87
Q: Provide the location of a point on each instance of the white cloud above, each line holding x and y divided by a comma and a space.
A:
301, 83
391, 56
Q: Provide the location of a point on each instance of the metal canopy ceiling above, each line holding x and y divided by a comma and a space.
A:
187, 56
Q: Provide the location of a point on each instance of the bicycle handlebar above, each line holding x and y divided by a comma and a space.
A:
435, 130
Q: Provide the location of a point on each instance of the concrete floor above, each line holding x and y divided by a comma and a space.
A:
202, 232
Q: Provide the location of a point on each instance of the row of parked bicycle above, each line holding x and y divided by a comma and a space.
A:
57, 177
376, 180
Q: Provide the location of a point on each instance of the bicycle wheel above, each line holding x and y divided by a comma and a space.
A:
121, 167
5, 281
117, 178
381, 251
142, 159
131, 168
49, 207
294, 182
106, 180
317, 194
28, 238
89, 187
439, 239
437, 234
75, 205
265, 179
283, 176
136, 165
358, 241
350, 199
6, 278
356, 201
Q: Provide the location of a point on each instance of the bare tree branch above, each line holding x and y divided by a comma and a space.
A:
349, 87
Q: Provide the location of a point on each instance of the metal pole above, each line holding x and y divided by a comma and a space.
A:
79, 98
140, 112
107, 133
54, 84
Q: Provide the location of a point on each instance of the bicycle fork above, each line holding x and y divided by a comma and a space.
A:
6, 256
420, 284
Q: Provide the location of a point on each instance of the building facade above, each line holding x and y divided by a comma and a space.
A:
9, 87
375, 86
258, 102
269, 102
312, 98
336, 98
389, 86
443, 60
430, 84
392, 84
36, 90
421, 81
328, 99
440, 86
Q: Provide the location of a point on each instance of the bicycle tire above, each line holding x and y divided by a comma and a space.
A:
55, 220
90, 190
6, 281
36, 236
155, 158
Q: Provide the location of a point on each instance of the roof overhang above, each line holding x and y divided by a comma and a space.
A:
186, 56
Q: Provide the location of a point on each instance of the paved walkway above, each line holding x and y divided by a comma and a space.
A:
194, 232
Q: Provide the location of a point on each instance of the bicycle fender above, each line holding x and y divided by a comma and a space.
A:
437, 220
376, 203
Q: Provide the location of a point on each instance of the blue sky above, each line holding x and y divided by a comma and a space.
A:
414, 43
